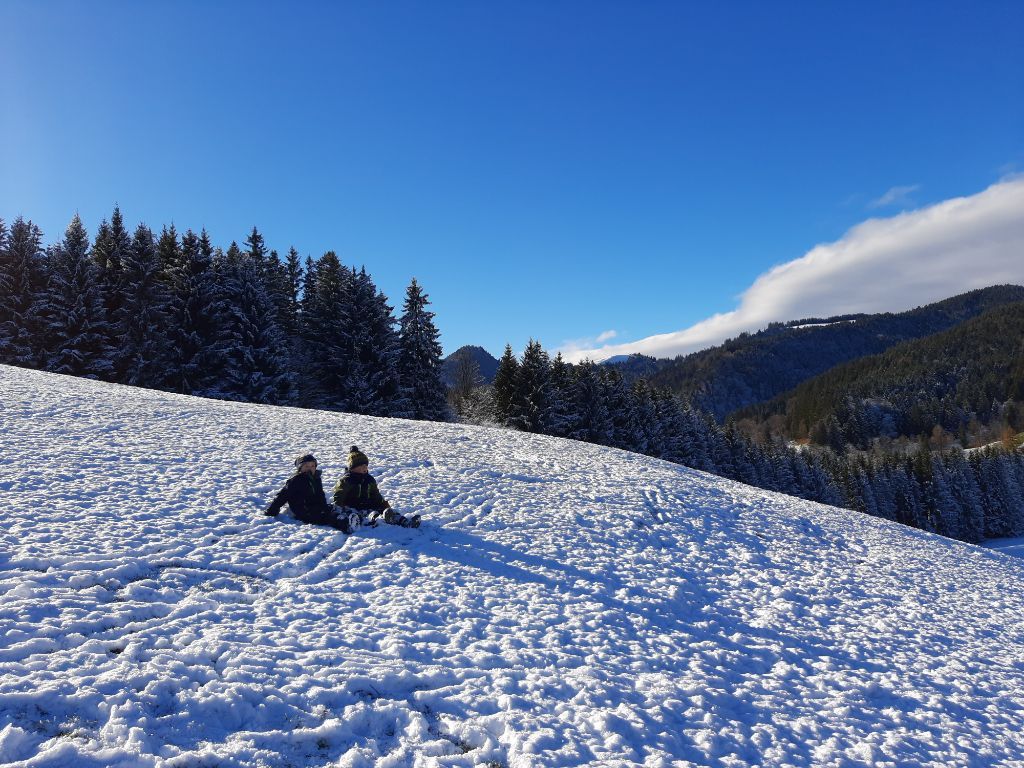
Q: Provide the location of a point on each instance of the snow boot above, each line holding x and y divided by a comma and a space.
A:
348, 521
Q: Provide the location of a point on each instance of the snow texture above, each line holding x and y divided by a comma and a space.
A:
564, 604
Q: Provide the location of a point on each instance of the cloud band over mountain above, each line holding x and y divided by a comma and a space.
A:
880, 265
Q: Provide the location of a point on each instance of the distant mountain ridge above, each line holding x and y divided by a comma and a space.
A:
973, 371
487, 362
754, 368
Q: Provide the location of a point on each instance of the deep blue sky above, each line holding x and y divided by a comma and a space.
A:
545, 169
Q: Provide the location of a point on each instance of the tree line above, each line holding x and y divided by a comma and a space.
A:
965, 495
174, 312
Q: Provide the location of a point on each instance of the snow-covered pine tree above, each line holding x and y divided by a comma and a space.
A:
647, 417
326, 347
671, 428
7, 280
6, 271
76, 324
109, 252
742, 468
505, 386
194, 320
530, 399
558, 420
419, 365
964, 487
256, 359
593, 423
289, 312
22, 295
626, 432
256, 249
373, 383
946, 507
168, 251
141, 358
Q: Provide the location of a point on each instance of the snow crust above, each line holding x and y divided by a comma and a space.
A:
564, 604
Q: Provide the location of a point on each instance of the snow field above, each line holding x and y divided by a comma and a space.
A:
563, 604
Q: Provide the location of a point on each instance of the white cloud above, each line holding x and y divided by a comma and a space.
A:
880, 265
571, 347
895, 196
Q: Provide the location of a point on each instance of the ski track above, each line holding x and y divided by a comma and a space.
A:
563, 604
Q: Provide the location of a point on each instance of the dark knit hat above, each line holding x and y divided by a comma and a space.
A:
303, 459
356, 458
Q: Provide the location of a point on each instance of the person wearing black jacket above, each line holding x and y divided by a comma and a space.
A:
304, 495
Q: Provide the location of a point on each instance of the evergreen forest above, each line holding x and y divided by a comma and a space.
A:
172, 311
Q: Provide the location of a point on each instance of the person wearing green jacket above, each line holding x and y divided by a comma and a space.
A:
358, 490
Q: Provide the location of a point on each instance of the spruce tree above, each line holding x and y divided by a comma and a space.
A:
141, 321
194, 320
109, 252
505, 386
6, 267
593, 423
531, 389
419, 365
626, 432
256, 359
558, 420
168, 251
647, 417
289, 312
256, 248
373, 382
23, 286
327, 346
7, 281
76, 323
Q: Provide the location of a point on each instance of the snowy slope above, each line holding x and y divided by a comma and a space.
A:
565, 604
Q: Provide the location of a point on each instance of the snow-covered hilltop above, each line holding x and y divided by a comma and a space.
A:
564, 604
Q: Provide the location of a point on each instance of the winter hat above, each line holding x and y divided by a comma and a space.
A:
303, 459
356, 458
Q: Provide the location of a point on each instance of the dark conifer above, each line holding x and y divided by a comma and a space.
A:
142, 355
559, 417
255, 368
593, 423
530, 399
373, 384
505, 386
194, 320
327, 347
22, 295
76, 324
419, 366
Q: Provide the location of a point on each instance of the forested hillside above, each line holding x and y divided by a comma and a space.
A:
754, 368
968, 496
968, 377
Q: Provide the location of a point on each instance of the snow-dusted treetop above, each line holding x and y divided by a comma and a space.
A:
564, 604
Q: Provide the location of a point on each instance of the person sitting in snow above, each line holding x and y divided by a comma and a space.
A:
358, 490
304, 495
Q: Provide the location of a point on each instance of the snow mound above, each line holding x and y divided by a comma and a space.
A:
564, 604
